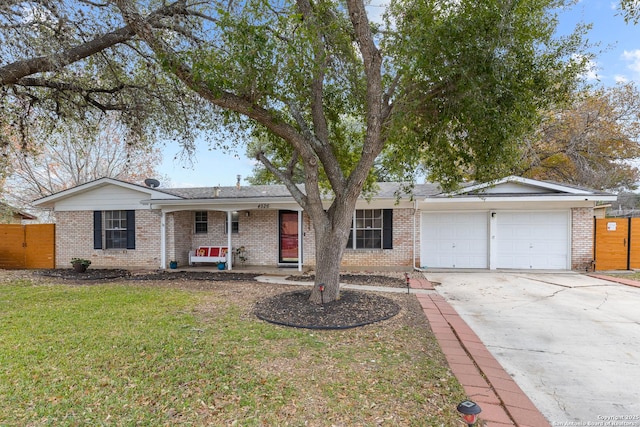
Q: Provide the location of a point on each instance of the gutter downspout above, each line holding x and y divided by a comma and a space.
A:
415, 244
300, 240
163, 240
229, 253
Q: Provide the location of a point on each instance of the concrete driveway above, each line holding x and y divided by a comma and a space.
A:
571, 342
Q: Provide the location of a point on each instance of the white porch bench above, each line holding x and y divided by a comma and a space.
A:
215, 254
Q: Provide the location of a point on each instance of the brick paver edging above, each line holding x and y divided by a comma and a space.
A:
421, 283
620, 280
484, 380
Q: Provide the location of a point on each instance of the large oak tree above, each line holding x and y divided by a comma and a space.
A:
593, 141
456, 82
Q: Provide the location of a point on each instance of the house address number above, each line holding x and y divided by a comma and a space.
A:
263, 205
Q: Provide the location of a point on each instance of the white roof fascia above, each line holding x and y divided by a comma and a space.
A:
226, 204
533, 198
524, 181
102, 182
384, 204
511, 206
497, 201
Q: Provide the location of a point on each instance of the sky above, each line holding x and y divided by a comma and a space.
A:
618, 60
209, 168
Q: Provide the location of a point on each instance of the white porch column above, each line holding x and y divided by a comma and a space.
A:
163, 240
300, 240
229, 229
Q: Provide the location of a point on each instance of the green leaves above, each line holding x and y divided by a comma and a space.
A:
474, 77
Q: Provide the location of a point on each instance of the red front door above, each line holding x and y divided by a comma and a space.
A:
288, 237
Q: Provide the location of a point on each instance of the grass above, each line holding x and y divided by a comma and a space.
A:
630, 275
121, 355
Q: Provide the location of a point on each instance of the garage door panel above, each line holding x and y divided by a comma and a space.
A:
518, 246
454, 240
532, 240
444, 246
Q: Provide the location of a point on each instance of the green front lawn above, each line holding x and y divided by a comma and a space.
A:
127, 355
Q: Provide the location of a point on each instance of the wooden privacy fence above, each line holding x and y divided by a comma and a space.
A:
27, 246
617, 243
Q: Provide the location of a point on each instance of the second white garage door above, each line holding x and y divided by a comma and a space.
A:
532, 240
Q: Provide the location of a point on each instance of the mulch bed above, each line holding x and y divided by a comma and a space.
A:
94, 274
353, 309
89, 274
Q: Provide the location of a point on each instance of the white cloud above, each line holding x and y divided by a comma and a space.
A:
633, 57
619, 78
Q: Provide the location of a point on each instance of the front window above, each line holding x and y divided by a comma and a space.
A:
367, 228
234, 223
201, 222
115, 229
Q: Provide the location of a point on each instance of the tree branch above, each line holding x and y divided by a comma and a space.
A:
295, 191
372, 60
216, 96
12, 73
321, 142
71, 87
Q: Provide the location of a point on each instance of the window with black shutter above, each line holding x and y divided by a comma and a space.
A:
372, 228
114, 229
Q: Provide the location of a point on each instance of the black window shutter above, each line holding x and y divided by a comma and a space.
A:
387, 229
131, 229
97, 229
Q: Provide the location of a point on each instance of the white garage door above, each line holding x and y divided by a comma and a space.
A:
454, 240
532, 240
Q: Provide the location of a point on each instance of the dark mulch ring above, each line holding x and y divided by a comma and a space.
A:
353, 309
90, 274
109, 274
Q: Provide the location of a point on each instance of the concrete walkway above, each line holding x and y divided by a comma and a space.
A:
484, 380
414, 289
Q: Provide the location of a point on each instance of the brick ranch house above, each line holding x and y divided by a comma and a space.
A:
512, 223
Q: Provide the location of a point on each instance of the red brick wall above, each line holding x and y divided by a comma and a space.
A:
74, 239
400, 256
179, 230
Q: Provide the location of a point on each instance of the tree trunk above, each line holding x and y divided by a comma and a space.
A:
332, 233
329, 250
